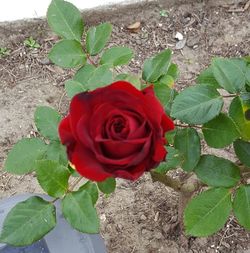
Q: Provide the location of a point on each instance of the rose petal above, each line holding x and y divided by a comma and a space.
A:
64, 130
80, 106
131, 160
126, 87
121, 149
66, 135
87, 165
99, 119
131, 174
166, 123
82, 131
160, 151
142, 131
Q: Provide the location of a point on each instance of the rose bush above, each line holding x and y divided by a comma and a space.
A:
115, 131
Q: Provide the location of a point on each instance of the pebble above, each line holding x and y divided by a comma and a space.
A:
146, 233
225, 244
193, 41
180, 44
45, 61
158, 235
201, 241
179, 36
143, 217
166, 228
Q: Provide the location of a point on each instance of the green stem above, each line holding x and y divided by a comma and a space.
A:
91, 61
230, 96
166, 180
186, 126
70, 188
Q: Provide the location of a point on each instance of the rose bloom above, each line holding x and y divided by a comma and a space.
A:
115, 131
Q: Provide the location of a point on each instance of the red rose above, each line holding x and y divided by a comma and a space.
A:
115, 131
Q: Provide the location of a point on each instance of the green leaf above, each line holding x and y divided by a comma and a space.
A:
167, 80
65, 20
67, 54
47, 120
228, 74
107, 186
53, 177
57, 152
173, 160
168, 106
217, 172
170, 135
246, 59
241, 205
207, 213
173, 71
100, 77
207, 77
134, 80
247, 74
92, 77
156, 66
78, 210
162, 168
240, 62
84, 73
220, 131
97, 37
242, 150
162, 92
237, 114
91, 188
197, 104
165, 93
187, 141
116, 56
245, 100
73, 87
28, 222
22, 157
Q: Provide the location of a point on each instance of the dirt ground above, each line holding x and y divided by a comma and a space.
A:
140, 216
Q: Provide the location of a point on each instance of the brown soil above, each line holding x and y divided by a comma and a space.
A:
140, 217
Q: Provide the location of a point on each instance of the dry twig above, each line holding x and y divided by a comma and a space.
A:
245, 8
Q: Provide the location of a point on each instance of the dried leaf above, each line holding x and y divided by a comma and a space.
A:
135, 27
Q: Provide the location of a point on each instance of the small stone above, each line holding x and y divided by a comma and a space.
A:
179, 36
143, 217
193, 41
156, 217
201, 241
180, 44
166, 228
45, 61
158, 235
120, 227
103, 217
146, 233
174, 218
225, 244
